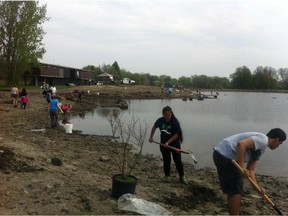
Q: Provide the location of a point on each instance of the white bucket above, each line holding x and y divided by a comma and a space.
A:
68, 128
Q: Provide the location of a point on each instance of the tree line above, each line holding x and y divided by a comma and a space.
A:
242, 78
21, 48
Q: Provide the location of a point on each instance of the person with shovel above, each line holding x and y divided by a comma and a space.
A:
171, 135
244, 148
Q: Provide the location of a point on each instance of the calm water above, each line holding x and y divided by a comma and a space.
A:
205, 123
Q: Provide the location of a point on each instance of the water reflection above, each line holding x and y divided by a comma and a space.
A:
106, 112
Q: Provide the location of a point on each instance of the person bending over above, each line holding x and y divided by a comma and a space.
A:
247, 148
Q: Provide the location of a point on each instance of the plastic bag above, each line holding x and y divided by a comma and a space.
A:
128, 202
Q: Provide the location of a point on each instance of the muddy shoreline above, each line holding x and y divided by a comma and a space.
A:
31, 184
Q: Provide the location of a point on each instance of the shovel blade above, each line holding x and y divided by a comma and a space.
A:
193, 157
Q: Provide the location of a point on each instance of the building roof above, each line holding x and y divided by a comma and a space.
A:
105, 75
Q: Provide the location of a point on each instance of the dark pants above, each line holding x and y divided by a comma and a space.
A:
54, 118
23, 105
166, 154
231, 180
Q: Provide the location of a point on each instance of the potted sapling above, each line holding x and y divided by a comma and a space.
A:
128, 134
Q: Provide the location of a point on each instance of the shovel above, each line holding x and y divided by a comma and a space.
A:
256, 187
179, 151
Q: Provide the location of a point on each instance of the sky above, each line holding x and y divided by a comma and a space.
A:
167, 37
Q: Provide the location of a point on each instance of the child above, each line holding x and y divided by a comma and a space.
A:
24, 99
14, 95
66, 107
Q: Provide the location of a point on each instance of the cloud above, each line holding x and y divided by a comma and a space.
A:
176, 38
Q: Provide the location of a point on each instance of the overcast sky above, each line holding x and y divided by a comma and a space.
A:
168, 37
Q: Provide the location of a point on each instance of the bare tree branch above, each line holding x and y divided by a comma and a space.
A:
127, 134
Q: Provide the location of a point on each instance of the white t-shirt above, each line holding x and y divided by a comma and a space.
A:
53, 89
14, 90
227, 147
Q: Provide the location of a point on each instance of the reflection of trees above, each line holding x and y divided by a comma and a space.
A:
107, 111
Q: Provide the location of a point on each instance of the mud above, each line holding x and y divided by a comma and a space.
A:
45, 171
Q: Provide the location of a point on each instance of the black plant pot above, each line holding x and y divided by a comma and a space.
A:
121, 185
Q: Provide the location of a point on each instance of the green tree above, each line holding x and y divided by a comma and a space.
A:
97, 70
113, 69
201, 81
146, 79
242, 78
265, 78
165, 80
154, 80
219, 82
21, 36
124, 73
185, 81
140, 79
283, 72
116, 66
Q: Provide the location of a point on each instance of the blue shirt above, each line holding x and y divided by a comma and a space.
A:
53, 104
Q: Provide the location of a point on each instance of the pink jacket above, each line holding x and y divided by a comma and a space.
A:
24, 99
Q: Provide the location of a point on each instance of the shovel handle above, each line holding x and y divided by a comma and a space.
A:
173, 148
178, 151
257, 188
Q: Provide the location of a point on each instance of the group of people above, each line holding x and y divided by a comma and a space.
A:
21, 97
48, 93
244, 148
45, 89
54, 105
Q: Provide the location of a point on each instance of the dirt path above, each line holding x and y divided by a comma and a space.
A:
31, 184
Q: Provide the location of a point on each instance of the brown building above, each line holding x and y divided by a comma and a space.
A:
58, 75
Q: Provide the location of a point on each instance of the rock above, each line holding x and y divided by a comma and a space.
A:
104, 158
123, 104
56, 162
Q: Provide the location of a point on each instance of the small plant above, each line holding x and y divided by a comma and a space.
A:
130, 135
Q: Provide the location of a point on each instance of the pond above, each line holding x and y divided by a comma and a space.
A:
205, 123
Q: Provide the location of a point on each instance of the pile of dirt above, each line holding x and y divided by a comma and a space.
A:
46, 171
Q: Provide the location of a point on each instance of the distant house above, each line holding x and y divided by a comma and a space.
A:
57, 75
105, 78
